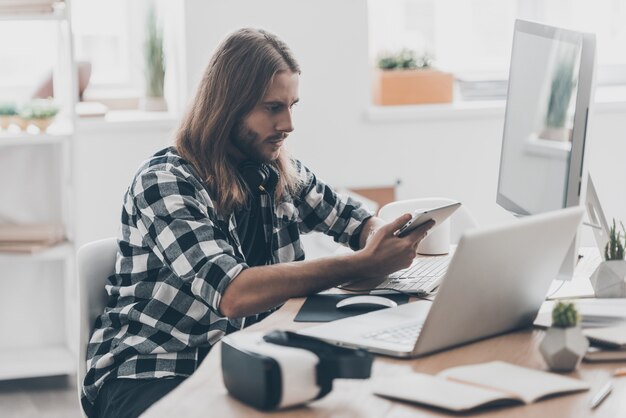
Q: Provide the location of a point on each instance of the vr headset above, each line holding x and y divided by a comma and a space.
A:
282, 369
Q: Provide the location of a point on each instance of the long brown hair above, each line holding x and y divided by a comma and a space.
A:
234, 82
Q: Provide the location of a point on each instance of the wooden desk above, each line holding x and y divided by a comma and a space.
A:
204, 394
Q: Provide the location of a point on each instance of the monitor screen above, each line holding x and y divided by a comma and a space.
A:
545, 123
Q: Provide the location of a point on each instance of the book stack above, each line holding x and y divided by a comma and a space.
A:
29, 238
607, 344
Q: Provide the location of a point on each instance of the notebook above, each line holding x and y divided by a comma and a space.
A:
597, 354
610, 343
612, 337
465, 388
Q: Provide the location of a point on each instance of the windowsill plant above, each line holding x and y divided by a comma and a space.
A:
154, 65
564, 344
609, 279
405, 78
8, 113
39, 112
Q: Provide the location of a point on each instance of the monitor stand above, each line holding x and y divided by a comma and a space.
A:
597, 221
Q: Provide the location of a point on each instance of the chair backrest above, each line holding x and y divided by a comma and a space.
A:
460, 221
96, 262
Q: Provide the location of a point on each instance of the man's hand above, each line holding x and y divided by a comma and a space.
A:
258, 289
385, 253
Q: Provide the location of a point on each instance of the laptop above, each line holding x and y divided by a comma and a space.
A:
496, 282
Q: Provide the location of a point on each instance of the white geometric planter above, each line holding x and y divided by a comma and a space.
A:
609, 279
563, 348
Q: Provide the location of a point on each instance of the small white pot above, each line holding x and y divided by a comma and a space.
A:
563, 348
609, 279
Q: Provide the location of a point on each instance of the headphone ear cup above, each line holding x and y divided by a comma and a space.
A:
254, 174
272, 177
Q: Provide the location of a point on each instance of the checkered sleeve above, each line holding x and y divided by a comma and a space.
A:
178, 225
322, 209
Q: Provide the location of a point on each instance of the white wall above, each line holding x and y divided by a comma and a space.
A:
106, 156
454, 154
434, 152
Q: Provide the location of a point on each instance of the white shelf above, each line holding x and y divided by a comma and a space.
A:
8, 139
20, 363
60, 252
49, 354
607, 99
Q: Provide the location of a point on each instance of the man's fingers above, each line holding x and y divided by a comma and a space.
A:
420, 231
397, 223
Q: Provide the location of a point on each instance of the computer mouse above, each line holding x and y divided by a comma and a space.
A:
365, 302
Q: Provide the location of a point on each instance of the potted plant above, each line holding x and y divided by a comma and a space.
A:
609, 279
154, 65
564, 344
8, 113
39, 112
407, 78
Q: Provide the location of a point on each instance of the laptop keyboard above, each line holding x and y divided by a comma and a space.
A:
423, 275
403, 335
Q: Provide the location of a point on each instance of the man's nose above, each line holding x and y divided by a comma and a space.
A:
285, 123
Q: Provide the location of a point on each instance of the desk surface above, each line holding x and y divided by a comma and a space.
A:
204, 394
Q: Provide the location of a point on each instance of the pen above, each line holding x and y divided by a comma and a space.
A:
619, 372
601, 395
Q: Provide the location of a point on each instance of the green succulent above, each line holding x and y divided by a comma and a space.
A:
8, 109
565, 315
39, 109
404, 59
614, 249
153, 57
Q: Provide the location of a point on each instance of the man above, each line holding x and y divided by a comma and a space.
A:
210, 232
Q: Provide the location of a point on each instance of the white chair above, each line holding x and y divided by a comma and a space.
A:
460, 221
96, 262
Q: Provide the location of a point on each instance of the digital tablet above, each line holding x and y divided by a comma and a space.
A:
421, 216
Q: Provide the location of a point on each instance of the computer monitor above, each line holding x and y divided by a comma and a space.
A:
550, 91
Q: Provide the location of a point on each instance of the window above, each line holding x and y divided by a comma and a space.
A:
473, 38
28, 60
109, 35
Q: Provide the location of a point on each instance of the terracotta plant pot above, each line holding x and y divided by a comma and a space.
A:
20, 122
563, 348
5, 121
609, 279
402, 87
41, 123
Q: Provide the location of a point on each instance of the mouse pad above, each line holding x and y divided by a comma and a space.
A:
321, 308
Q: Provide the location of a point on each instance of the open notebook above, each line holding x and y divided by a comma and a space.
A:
487, 384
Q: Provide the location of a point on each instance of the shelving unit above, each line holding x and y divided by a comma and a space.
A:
38, 302
24, 139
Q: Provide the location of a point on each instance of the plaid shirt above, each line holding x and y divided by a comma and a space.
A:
177, 256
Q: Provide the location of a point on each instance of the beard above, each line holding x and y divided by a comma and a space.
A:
247, 142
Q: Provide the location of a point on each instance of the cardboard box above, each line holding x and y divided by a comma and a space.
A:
402, 87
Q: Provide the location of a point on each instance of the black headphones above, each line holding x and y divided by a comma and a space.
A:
259, 176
